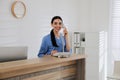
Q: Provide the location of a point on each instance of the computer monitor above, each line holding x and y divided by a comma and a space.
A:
13, 53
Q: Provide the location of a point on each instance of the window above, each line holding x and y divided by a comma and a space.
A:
115, 30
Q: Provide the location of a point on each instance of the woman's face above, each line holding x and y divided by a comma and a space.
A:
57, 24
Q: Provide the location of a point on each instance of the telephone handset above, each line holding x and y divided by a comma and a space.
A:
62, 30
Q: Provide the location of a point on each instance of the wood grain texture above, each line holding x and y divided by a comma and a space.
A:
21, 67
80, 69
55, 75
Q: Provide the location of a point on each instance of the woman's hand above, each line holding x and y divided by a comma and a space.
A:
66, 35
53, 52
65, 32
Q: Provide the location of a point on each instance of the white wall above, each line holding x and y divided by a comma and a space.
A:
78, 15
98, 21
99, 15
30, 30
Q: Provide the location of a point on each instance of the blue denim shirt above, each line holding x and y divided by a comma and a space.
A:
47, 47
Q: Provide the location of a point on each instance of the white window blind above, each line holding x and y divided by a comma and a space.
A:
115, 31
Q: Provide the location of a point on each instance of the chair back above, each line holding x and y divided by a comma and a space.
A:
117, 68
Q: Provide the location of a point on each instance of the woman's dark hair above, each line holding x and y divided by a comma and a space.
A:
56, 17
52, 33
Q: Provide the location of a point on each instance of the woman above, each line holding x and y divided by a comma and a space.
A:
55, 42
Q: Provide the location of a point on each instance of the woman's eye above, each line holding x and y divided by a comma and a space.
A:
55, 23
60, 23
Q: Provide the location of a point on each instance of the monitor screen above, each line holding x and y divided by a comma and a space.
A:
13, 53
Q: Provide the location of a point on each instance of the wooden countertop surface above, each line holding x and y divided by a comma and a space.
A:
30, 63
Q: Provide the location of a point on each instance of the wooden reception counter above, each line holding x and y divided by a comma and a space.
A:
45, 68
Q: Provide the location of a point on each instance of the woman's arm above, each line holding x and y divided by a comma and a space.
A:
66, 35
43, 48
